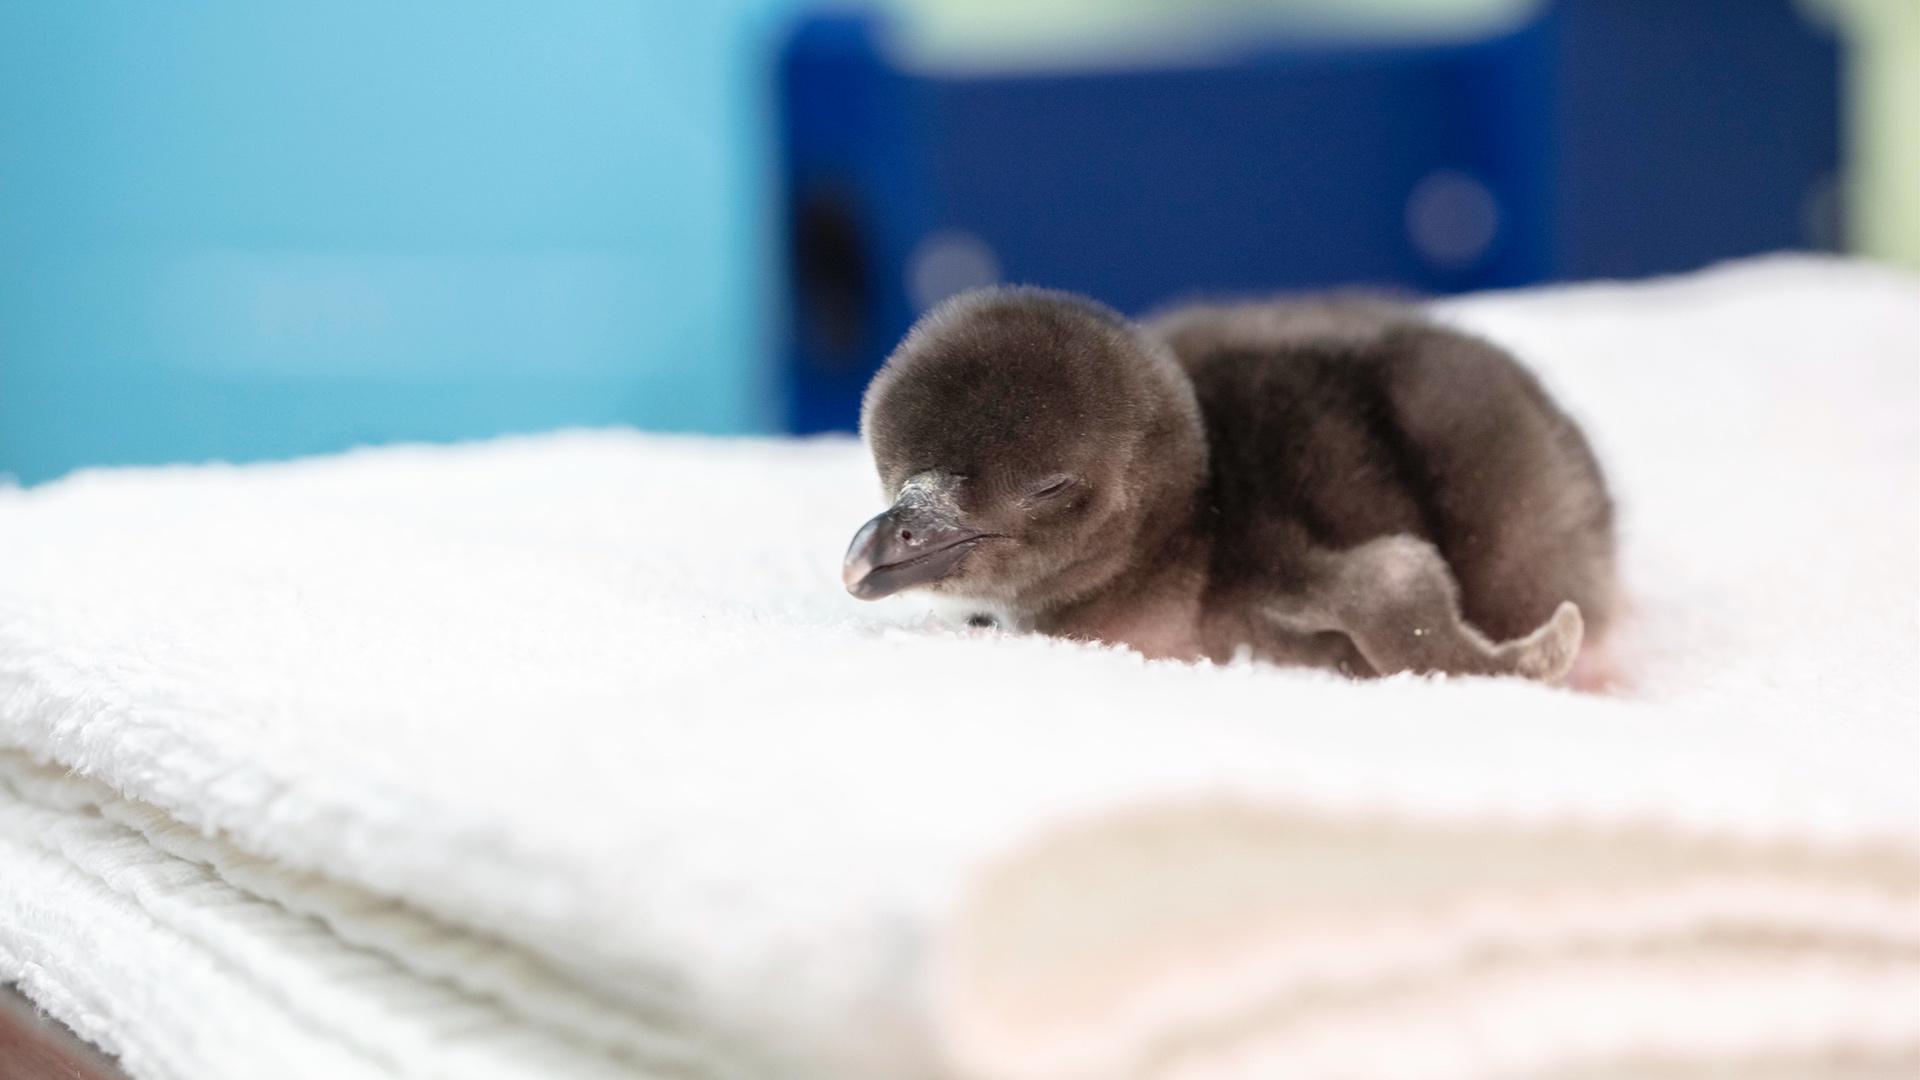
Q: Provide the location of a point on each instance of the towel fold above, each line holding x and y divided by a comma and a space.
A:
566, 756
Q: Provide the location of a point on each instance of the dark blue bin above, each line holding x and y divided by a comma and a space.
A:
1601, 137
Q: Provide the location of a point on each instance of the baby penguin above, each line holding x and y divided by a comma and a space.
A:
1337, 483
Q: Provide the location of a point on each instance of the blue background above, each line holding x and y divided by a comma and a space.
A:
235, 229
258, 230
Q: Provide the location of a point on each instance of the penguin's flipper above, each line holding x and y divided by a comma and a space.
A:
1397, 601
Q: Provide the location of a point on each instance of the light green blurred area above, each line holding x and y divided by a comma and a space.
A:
1882, 89
1883, 140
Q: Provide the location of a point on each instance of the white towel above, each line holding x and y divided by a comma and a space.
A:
568, 756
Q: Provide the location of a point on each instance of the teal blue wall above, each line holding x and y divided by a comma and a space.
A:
237, 230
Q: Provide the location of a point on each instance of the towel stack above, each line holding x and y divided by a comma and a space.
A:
567, 757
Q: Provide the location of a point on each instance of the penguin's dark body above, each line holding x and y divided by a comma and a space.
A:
1335, 483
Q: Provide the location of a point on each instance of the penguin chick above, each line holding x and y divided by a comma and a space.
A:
1335, 483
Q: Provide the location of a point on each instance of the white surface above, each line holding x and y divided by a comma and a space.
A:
599, 700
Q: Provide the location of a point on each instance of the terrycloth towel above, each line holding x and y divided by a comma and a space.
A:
569, 757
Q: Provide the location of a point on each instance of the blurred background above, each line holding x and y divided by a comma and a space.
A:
239, 231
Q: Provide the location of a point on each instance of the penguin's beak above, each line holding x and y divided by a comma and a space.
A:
904, 547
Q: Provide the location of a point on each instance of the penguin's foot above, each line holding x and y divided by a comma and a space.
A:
1548, 653
1395, 598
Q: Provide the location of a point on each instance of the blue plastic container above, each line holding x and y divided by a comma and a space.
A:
1602, 137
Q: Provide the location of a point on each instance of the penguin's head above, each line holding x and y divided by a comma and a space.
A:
1032, 444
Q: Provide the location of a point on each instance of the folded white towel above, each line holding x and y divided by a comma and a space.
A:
568, 756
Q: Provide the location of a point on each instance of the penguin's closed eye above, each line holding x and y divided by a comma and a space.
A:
1051, 487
